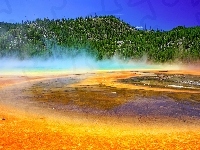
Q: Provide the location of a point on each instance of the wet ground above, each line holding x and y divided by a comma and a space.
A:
164, 80
100, 111
100, 99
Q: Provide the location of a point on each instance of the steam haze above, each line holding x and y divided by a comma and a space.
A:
69, 62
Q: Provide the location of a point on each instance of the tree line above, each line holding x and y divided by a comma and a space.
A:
100, 36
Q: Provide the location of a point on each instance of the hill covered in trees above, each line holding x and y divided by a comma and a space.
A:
100, 36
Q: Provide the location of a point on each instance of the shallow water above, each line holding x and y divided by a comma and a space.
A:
160, 106
163, 80
59, 94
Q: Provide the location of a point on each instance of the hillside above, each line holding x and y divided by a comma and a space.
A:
100, 36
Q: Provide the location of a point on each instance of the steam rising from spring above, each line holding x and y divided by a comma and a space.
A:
70, 62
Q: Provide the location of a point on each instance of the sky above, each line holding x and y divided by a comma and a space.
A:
162, 14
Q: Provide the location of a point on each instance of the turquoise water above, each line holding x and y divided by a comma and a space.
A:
79, 64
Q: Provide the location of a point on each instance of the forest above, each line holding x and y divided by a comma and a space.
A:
102, 37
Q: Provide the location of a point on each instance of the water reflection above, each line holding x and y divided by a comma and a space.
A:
106, 100
100, 99
159, 106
